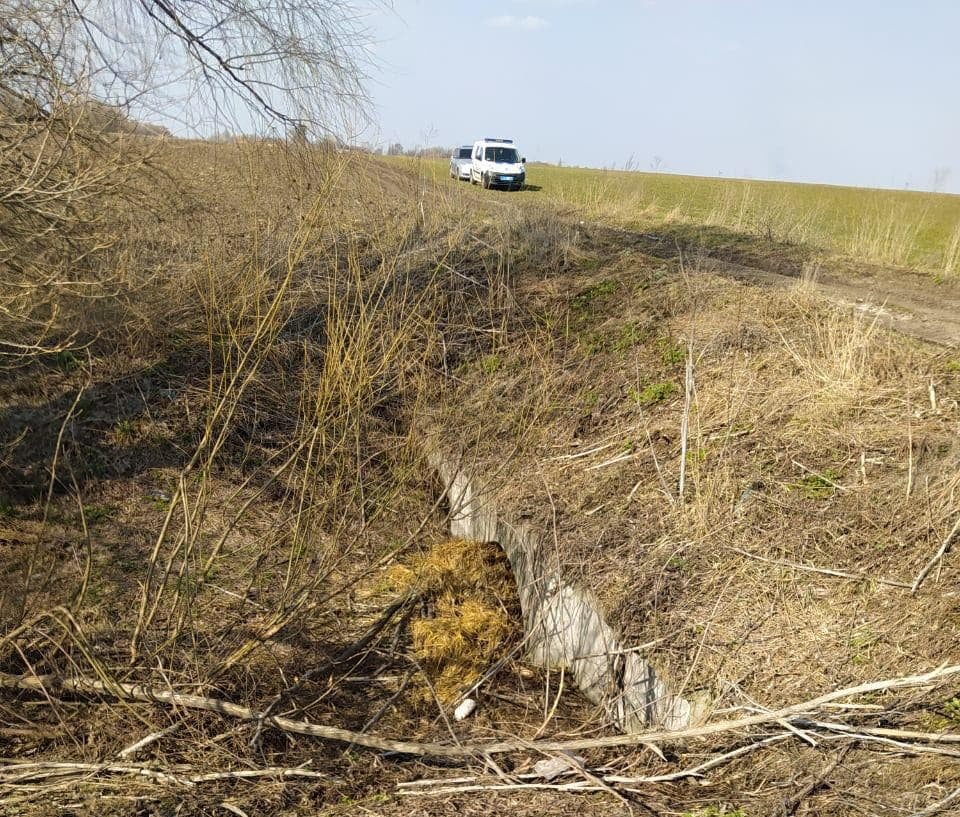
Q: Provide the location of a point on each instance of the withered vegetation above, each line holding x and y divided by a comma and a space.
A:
223, 368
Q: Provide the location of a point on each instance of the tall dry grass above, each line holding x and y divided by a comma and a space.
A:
294, 308
951, 255
889, 227
885, 235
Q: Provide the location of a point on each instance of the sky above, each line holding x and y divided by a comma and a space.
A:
842, 92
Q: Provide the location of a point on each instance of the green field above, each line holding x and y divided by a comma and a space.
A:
889, 227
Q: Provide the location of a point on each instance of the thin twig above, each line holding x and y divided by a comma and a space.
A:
939, 806
20, 773
277, 772
820, 780
137, 692
153, 737
941, 552
820, 476
825, 571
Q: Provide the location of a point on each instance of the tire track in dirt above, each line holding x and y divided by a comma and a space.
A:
910, 303
923, 312
907, 302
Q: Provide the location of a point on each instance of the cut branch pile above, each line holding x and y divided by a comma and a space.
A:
805, 721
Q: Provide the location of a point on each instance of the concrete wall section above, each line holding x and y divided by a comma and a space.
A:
562, 623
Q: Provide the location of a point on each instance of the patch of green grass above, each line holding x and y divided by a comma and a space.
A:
546, 320
587, 297
952, 710
952, 366
678, 563
124, 430
817, 486
95, 461
861, 643
592, 342
930, 722
159, 499
490, 364
630, 335
7, 509
900, 227
672, 353
99, 513
652, 393
67, 361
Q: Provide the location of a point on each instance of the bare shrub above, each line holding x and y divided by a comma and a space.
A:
71, 156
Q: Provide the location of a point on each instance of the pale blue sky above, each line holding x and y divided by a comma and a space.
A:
843, 92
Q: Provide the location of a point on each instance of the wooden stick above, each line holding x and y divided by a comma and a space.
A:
252, 774
153, 737
818, 475
940, 805
941, 552
685, 418
826, 571
20, 773
23, 772
576, 785
145, 694
695, 771
698, 771
894, 734
818, 782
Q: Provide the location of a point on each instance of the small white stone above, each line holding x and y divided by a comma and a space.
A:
465, 709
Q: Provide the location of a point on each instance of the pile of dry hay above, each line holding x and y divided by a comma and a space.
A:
468, 614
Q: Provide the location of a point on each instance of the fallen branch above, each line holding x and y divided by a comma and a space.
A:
153, 737
818, 782
941, 552
276, 772
19, 774
940, 805
703, 768
576, 786
404, 602
826, 571
144, 694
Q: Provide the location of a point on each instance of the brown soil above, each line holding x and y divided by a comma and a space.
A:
912, 303
818, 441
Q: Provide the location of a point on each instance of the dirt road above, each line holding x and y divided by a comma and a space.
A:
907, 302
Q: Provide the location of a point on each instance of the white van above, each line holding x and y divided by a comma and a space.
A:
497, 163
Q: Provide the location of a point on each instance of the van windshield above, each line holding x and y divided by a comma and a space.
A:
464, 153
503, 155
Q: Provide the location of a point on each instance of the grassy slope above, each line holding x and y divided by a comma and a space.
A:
206, 492
812, 443
525, 337
899, 228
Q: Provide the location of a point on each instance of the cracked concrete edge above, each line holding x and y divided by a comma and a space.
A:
562, 623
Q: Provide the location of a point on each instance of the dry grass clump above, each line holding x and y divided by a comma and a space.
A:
470, 611
820, 459
459, 641
194, 500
